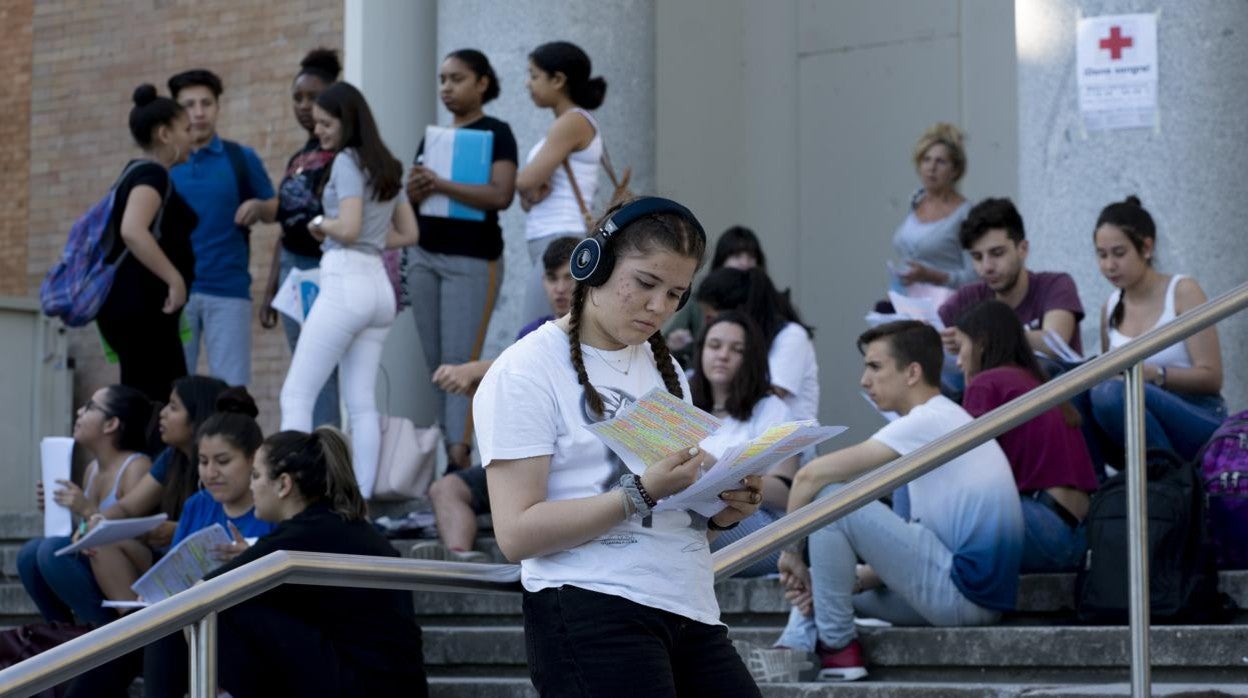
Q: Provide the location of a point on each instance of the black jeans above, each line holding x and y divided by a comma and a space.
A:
584, 643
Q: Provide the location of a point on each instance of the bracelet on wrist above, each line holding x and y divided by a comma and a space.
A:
644, 494
632, 492
710, 524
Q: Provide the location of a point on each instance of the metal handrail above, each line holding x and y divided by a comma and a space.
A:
193, 606
198, 606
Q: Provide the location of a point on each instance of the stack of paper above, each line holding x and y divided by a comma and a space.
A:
659, 424
57, 453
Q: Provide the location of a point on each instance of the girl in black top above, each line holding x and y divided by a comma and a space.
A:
300, 640
298, 203
140, 317
455, 272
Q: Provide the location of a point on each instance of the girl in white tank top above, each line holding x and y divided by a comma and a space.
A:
1182, 398
559, 80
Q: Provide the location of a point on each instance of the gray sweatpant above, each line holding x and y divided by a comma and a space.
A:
452, 298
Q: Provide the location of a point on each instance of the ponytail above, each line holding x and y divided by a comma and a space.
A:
319, 464
341, 490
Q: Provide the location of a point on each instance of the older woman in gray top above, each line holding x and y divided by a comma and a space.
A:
927, 241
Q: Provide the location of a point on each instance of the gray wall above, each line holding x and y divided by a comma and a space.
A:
1188, 173
798, 118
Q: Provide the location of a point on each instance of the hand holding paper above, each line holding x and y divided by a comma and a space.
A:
57, 454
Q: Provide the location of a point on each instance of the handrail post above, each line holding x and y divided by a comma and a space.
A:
1137, 530
203, 649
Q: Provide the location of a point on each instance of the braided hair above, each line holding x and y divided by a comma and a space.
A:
658, 231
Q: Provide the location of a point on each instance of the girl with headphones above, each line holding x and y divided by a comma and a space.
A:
619, 599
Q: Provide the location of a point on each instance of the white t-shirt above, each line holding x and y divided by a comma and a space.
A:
970, 503
530, 404
793, 366
767, 413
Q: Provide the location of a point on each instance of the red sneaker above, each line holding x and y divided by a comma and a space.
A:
845, 664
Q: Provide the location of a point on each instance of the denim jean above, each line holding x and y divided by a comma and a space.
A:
326, 410
61, 585
586, 643
1179, 422
754, 522
452, 299
224, 325
346, 327
1049, 543
909, 558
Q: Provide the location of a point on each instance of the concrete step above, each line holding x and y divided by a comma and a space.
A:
1001, 653
1039, 594
20, 525
519, 687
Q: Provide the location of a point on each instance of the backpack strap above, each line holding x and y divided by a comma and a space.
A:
160, 212
238, 163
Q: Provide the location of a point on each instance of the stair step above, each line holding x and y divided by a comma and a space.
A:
20, 525
519, 687
1208, 651
1038, 594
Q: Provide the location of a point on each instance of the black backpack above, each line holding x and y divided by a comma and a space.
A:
1183, 579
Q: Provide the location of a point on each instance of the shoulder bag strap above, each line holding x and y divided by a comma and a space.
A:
580, 200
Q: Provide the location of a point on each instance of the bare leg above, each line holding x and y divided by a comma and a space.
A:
459, 455
118, 566
452, 507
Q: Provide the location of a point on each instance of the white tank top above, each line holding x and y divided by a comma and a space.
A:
559, 213
1175, 355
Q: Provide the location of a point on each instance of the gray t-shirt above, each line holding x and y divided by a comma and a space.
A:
347, 180
936, 244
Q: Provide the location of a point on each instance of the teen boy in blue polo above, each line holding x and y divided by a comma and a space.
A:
227, 186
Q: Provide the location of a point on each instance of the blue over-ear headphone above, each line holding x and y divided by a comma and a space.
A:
592, 260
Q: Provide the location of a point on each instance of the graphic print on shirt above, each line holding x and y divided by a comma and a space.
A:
613, 400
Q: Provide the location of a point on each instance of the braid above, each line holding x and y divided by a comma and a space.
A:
592, 398
663, 359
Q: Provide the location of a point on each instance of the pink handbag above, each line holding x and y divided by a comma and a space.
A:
407, 460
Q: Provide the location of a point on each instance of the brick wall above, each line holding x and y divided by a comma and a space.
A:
88, 56
15, 54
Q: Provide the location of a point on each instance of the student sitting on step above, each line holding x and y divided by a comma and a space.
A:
461, 496
300, 640
113, 425
731, 381
1049, 457
953, 562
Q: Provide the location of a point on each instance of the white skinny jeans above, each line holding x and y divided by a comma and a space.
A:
346, 327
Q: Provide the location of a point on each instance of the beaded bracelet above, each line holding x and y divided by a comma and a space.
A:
644, 494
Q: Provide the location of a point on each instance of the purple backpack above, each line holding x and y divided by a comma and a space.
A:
76, 286
1223, 463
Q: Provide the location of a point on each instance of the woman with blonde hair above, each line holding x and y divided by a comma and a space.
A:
927, 240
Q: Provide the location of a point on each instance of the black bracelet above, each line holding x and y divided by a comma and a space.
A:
711, 525
644, 494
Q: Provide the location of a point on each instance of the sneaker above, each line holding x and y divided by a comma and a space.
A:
428, 550
467, 556
845, 664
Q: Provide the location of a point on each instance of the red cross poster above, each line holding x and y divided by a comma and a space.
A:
1117, 71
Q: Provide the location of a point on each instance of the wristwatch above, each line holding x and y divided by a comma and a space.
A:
1159, 380
316, 222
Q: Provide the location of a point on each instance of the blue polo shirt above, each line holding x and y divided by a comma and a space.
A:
207, 182
202, 511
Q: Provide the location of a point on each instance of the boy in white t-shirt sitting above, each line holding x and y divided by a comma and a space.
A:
954, 561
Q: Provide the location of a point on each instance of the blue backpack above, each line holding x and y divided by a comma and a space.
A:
77, 286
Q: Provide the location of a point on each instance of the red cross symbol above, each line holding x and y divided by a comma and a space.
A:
1115, 43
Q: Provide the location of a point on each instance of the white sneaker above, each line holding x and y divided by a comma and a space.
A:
467, 556
428, 550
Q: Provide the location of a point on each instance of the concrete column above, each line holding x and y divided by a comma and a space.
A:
618, 35
389, 51
1188, 173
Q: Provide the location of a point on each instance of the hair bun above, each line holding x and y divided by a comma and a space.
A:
1133, 200
322, 60
144, 94
236, 399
